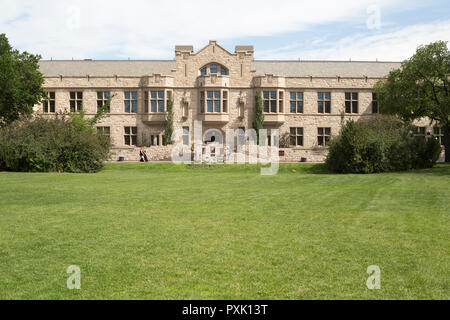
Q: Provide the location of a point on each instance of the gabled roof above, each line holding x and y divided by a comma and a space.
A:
106, 68
325, 68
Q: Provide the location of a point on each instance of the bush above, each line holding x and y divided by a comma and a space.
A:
380, 144
43, 145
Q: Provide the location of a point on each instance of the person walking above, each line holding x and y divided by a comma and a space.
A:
143, 155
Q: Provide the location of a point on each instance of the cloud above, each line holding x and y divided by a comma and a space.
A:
395, 45
150, 29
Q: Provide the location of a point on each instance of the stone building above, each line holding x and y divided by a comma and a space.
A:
303, 99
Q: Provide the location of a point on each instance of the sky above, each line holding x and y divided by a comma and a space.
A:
384, 30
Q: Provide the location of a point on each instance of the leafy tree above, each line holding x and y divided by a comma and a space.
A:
259, 115
20, 82
168, 131
420, 88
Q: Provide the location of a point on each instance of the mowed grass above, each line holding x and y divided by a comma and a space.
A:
162, 231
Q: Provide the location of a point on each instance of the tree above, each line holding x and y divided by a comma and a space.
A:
420, 88
20, 82
259, 115
168, 131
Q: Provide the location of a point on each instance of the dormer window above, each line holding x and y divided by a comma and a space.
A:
214, 68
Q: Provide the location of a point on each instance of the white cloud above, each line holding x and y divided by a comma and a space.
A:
150, 29
395, 45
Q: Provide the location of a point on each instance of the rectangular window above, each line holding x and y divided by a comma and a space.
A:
351, 102
439, 134
157, 101
104, 131
131, 101
213, 68
130, 136
324, 102
102, 98
296, 102
296, 137
76, 101
154, 140
374, 103
146, 102
419, 131
213, 101
186, 136
49, 104
323, 136
223, 71
225, 101
270, 101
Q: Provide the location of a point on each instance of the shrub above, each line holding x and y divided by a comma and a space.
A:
42, 145
380, 144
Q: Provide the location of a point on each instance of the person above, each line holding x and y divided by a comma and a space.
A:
143, 155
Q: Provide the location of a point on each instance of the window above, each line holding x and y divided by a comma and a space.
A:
419, 131
130, 136
154, 140
323, 136
214, 68
76, 101
296, 137
102, 98
214, 101
374, 103
270, 101
49, 104
296, 102
146, 102
105, 131
439, 134
351, 102
131, 102
186, 136
157, 101
324, 102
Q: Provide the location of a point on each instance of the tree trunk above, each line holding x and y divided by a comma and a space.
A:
447, 142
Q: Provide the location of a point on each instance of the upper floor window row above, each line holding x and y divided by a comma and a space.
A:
214, 68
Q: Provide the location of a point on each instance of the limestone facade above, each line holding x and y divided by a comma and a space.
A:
196, 80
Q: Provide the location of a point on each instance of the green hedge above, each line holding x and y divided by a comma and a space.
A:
59, 144
380, 144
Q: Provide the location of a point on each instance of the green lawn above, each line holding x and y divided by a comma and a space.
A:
160, 231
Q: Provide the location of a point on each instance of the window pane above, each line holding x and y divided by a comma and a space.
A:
292, 95
273, 106
216, 94
203, 71
300, 141
52, 106
273, 95
347, 107
225, 94
292, 140
300, 106
292, 131
160, 94
223, 71
134, 106
127, 130
355, 106
106, 130
127, 106
127, 95
266, 94
202, 94
347, 96
52, 95
134, 130
216, 106
300, 131
266, 106
300, 96
320, 107
293, 104
160, 106
153, 105
210, 106
320, 140
320, 95
327, 95
134, 95
355, 95
328, 131
72, 95
99, 95
213, 68
134, 140
320, 131
127, 140
80, 95
153, 94
210, 94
